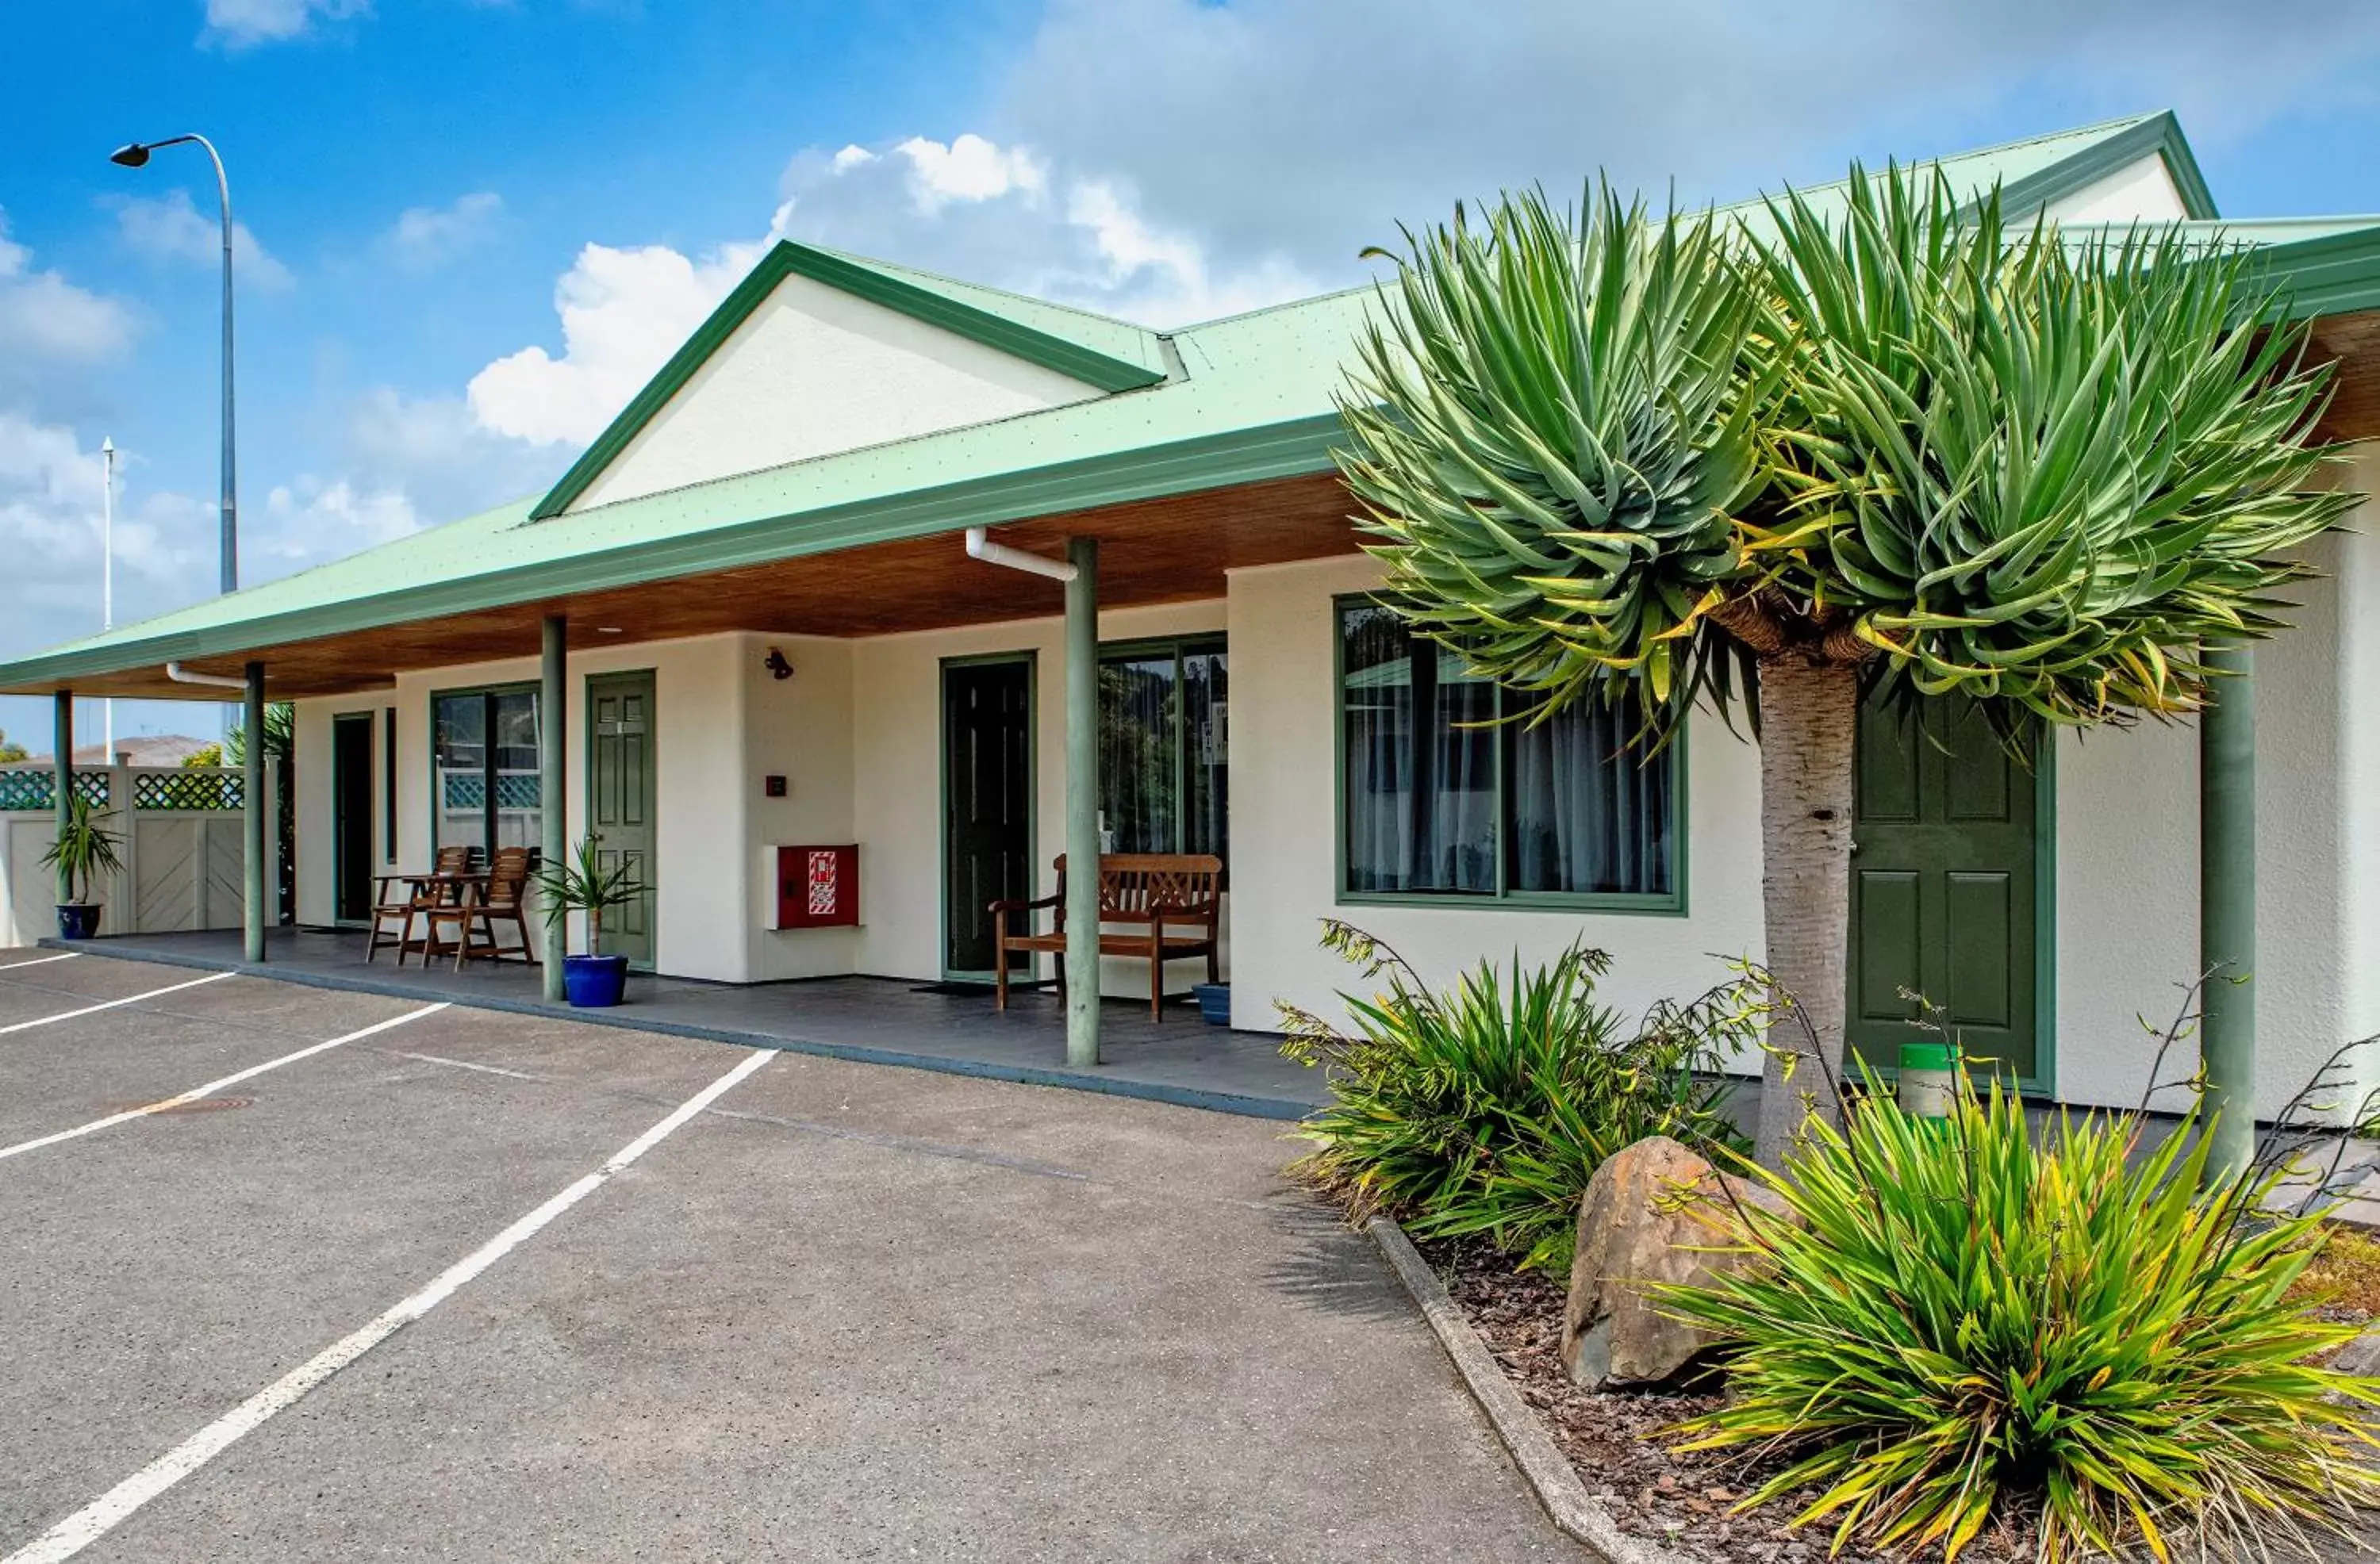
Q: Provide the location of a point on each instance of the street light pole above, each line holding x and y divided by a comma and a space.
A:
136, 155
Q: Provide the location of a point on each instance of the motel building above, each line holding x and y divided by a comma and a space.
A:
755, 622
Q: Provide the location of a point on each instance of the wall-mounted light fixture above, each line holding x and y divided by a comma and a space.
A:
776, 664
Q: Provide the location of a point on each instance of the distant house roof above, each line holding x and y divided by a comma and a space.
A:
1230, 401
146, 749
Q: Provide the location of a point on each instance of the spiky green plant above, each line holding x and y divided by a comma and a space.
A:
1876, 443
1969, 1320
584, 882
1484, 1108
83, 849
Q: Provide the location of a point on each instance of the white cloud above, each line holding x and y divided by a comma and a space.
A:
42, 316
315, 519
440, 456
169, 227
424, 236
49, 531
623, 312
1014, 217
1306, 129
243, 24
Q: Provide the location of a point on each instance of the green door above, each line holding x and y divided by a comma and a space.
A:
1943, 888
620, 799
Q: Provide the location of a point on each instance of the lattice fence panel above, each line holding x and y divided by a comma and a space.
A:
197, 788
35, 790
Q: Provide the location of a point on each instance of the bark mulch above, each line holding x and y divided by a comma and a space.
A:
1684, 1502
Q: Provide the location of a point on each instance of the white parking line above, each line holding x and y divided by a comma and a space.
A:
112, 1509
40, 961
126, 1000
212, 1087
462, 1064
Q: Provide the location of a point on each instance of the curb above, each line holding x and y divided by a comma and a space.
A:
1578, 1514
628, 1019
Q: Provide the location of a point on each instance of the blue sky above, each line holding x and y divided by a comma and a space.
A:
473, 227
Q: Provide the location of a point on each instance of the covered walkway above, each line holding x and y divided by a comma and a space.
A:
874, 1020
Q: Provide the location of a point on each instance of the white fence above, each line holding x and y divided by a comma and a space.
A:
180, 841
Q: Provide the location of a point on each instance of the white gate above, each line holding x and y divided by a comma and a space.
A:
179, 838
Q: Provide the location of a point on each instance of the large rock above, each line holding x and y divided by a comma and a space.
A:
1651, 1213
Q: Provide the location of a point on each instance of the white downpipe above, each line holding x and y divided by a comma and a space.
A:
980, 546
182, 675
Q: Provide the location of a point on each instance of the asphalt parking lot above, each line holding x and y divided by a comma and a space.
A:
398, 1280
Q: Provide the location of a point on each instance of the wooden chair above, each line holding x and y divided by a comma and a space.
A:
1147, 892
505, 899
402, 898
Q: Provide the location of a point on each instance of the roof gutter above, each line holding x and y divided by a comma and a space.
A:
182, 675
980, 546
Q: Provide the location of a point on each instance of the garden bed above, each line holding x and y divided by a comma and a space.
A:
1684, 1503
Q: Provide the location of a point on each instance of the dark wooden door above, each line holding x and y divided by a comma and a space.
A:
988, 803
620, 800
351, 817
1943, 888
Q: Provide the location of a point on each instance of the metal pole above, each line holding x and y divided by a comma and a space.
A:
228, 532
2227, 905
107, 573
136, 155
553, 718
227, 541
1083, 804
62, 783
252, 818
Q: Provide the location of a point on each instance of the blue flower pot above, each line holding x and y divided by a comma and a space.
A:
77, 921
1214, 1002
594, 982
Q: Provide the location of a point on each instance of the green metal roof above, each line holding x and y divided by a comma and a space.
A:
1236, 400
2038, 170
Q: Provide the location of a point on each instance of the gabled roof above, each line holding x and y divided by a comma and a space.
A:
1109, 354
2040, 170
1226, 402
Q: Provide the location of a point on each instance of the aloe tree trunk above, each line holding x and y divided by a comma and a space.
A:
1809, 727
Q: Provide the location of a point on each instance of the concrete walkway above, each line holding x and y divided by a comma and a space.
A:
878, 1020
834, 1312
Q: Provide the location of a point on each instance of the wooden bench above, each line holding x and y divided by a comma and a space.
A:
1171, 904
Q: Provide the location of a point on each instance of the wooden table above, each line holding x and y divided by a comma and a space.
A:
425, 890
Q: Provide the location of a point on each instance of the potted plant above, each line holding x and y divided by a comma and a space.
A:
583, 884
84, 849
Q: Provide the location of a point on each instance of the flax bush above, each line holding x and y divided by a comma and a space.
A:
1484, 1108
1976, 1320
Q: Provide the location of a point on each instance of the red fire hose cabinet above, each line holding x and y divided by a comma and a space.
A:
816, 887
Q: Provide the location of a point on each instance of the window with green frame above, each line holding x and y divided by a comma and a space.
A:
485, 781
1162, 764
1447, 792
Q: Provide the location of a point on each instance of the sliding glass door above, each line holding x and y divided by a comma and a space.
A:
485, 786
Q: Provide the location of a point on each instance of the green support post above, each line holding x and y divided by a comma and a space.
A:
62, 783
553, 718
2227, 905
1083, 804
252, 818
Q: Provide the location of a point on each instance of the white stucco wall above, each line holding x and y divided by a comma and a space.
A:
1284, 833
2142, 190
2125, 860
701, 873
897, 696
857, 730
2356, 557
813, 370
800, 728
